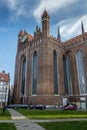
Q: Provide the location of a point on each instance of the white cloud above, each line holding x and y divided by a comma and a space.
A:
51, 5
17, 8
69, 28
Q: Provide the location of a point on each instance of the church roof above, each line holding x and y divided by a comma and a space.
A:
76, 39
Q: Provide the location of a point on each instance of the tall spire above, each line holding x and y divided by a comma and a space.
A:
82, 27
58, 36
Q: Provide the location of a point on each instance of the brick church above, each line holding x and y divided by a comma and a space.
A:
49, 71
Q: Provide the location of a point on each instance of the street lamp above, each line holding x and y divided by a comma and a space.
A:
5, 100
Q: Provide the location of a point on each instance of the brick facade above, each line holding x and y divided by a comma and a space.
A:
4, 88
44, 45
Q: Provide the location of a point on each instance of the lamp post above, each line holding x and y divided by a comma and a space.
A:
5, 100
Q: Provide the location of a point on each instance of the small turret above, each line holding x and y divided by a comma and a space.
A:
20, 33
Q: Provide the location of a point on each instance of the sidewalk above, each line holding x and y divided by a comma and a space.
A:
23, 123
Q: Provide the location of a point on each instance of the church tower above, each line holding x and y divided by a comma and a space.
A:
45, 24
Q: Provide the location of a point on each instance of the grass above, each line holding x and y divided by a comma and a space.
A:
5, 115
68, 125
7, 126
52, 114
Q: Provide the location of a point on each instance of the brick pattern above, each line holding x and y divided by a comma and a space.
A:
45, 44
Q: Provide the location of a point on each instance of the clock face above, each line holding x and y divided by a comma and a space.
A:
23, 38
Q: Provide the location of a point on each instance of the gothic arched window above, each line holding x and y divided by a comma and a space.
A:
81, 72
55, 72
34, 87
23, 76
65, 75
69, 74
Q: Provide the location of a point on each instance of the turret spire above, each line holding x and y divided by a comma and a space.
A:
82, 27
58, 36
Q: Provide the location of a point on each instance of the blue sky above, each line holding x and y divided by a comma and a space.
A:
25, 14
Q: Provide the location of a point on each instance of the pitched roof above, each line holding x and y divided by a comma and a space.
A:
45, 14
4, 77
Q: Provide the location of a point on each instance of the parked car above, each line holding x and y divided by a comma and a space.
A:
39, 107
18, 106
70, 107
12, 106
23, 105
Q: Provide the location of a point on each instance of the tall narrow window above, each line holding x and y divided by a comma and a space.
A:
34, 88
81, 72
69, 75
55, 72
23, 76
65, 75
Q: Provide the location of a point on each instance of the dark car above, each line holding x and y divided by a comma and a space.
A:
39, 107
13, 106
69, 107
23, 106
18, 106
